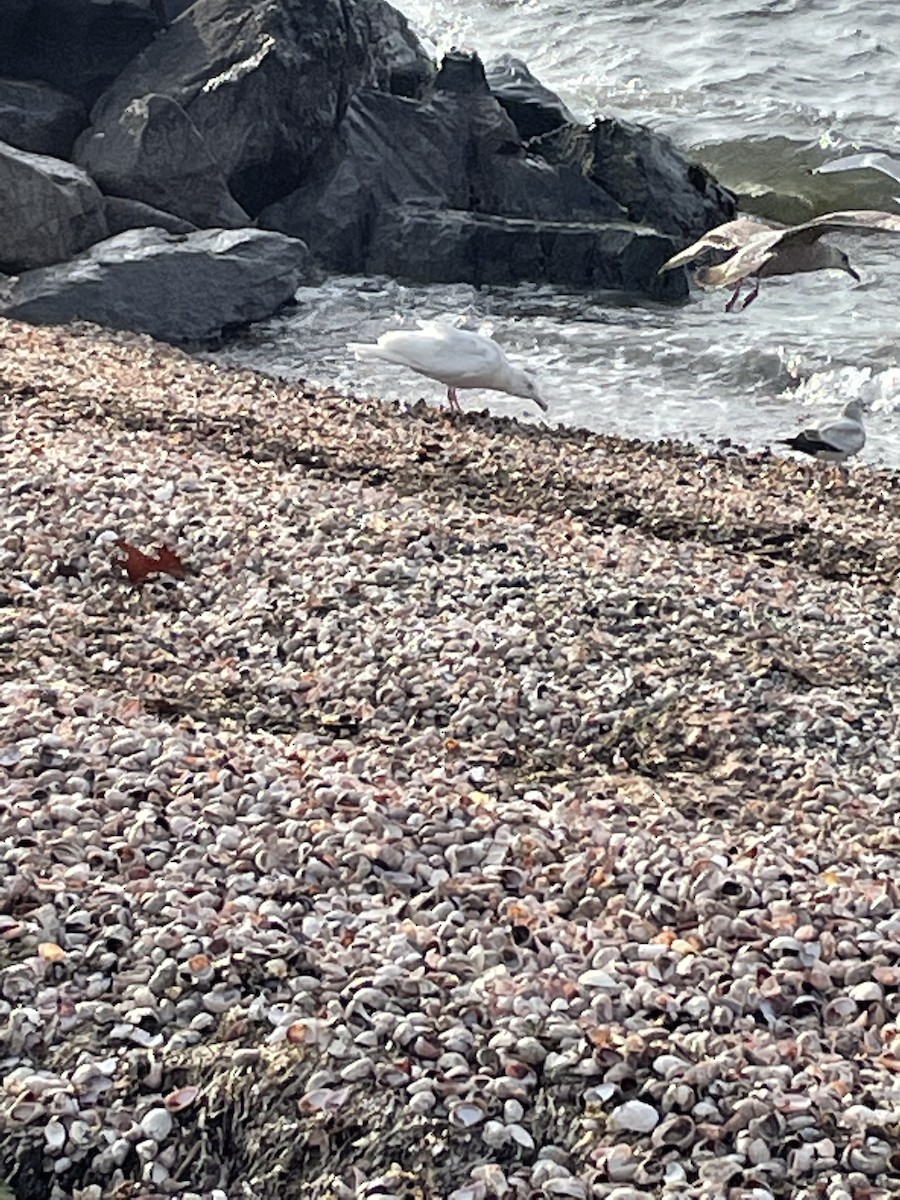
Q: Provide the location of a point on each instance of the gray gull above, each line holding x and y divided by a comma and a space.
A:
834, 441
766, 251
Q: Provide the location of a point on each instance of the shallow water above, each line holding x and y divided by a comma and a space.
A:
761, 93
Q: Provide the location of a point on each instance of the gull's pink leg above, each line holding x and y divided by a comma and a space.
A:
752, 295
454, 400
734, 295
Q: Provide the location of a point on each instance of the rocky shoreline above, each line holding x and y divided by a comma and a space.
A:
491, 811
225, 154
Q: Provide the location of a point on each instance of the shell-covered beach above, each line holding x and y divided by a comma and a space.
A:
491, 810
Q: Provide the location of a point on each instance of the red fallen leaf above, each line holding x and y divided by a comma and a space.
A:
140, 566
170, 562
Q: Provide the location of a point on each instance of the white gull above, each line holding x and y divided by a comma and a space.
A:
458, 358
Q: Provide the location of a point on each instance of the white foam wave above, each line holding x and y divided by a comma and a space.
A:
877, 390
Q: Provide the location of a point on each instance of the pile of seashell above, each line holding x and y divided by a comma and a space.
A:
489, 812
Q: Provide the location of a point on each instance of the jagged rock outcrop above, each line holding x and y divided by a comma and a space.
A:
265, 85
400, 63
446, 246
533, 108
155, 153
405, 179
654, 181
320, 120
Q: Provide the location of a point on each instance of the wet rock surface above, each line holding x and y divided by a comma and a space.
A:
645, 172
491, 811
155, 154
533, 108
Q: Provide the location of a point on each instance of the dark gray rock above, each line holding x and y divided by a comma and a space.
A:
645, 172
458, 150
461, 74
51, 210
533, 108
132, 214
391, 151
445, 247
461, 84
78, 46
527, 186
453, 168
13, 14
38, 118
401, 65
154, 153
177, 287
265, 84
168, 10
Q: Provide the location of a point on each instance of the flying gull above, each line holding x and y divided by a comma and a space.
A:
834, 441
764, 251
872, 160
457, 358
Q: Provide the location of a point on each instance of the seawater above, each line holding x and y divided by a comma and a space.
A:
762, 94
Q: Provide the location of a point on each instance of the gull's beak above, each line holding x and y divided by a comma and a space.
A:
853, 274
542, 404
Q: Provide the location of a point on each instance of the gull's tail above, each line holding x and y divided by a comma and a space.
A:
806, 442
365, 349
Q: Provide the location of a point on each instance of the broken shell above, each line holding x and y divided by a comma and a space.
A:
466, 1114
668, 1065
565, 1187
181, 1098
620, 1163
495, 1133
838, 1010
359, 1068
521, 1135
599, 979
323, 1100
221, 999
865, 993
677, 1131
200, 966
24, 1112
422, 1102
